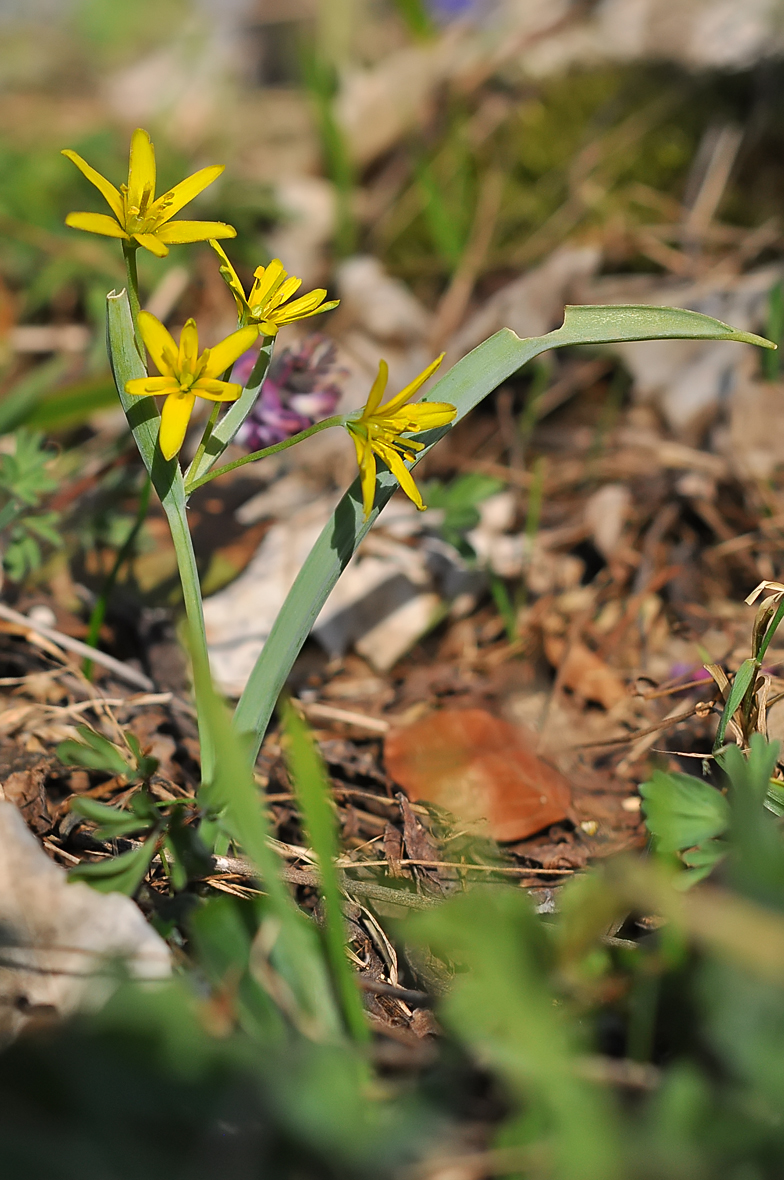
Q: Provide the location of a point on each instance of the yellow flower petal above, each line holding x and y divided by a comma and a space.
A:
284, 292
96, 223
302, 309
177, 233
217, 391
367, 469
175, 416
152, 243
231, 279
172, 201
268, 279
377, 390
145, 386
105, 187
188, 352
422, 416
412, 388
268, 327
160, 343
141, 169
223, 355
401, 473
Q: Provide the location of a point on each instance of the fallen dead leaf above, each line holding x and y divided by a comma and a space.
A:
480, 768
584, 672
25, 789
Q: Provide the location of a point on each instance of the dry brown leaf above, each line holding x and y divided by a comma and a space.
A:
584, 672
25, 789
480, 768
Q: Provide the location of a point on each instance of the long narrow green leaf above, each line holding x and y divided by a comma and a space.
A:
144, 420
232, 792
312, 788
18, 406
743, 679
464, 386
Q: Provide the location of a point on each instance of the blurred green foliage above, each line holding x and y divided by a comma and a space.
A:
653, 1055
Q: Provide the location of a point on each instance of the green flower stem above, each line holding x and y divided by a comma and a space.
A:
144, 419
129, 253
205, 438
99, 610
236, 414
337, 420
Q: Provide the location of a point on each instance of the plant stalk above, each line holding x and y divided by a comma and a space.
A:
336, 420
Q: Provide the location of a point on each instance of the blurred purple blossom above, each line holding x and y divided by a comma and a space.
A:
446, 10
300, 389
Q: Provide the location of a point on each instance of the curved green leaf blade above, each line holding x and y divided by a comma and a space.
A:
608, 323
117, 874
144, 420
743, 679
464, 386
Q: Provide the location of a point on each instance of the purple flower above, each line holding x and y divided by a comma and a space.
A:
296, 393
446, 10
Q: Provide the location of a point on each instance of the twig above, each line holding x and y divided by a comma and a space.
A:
377, 988
318, 710
121, 670
510, 870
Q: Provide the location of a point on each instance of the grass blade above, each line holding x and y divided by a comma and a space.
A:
312, 788
232, 791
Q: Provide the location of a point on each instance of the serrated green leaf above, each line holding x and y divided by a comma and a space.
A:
682, 811
701, 862
117, 874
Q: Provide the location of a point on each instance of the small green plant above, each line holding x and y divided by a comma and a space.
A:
25, 480
168, 829
459, 502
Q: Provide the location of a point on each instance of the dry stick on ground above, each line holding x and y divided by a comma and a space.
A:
121, 670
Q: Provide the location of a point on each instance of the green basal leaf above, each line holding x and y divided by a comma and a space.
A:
311, 785
231, 790
744, 677
682, 811
610, 324
144, 420
117, 874
464, 386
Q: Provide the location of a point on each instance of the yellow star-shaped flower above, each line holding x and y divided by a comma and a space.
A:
138, 216
379, 430
185, 374
267, 305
